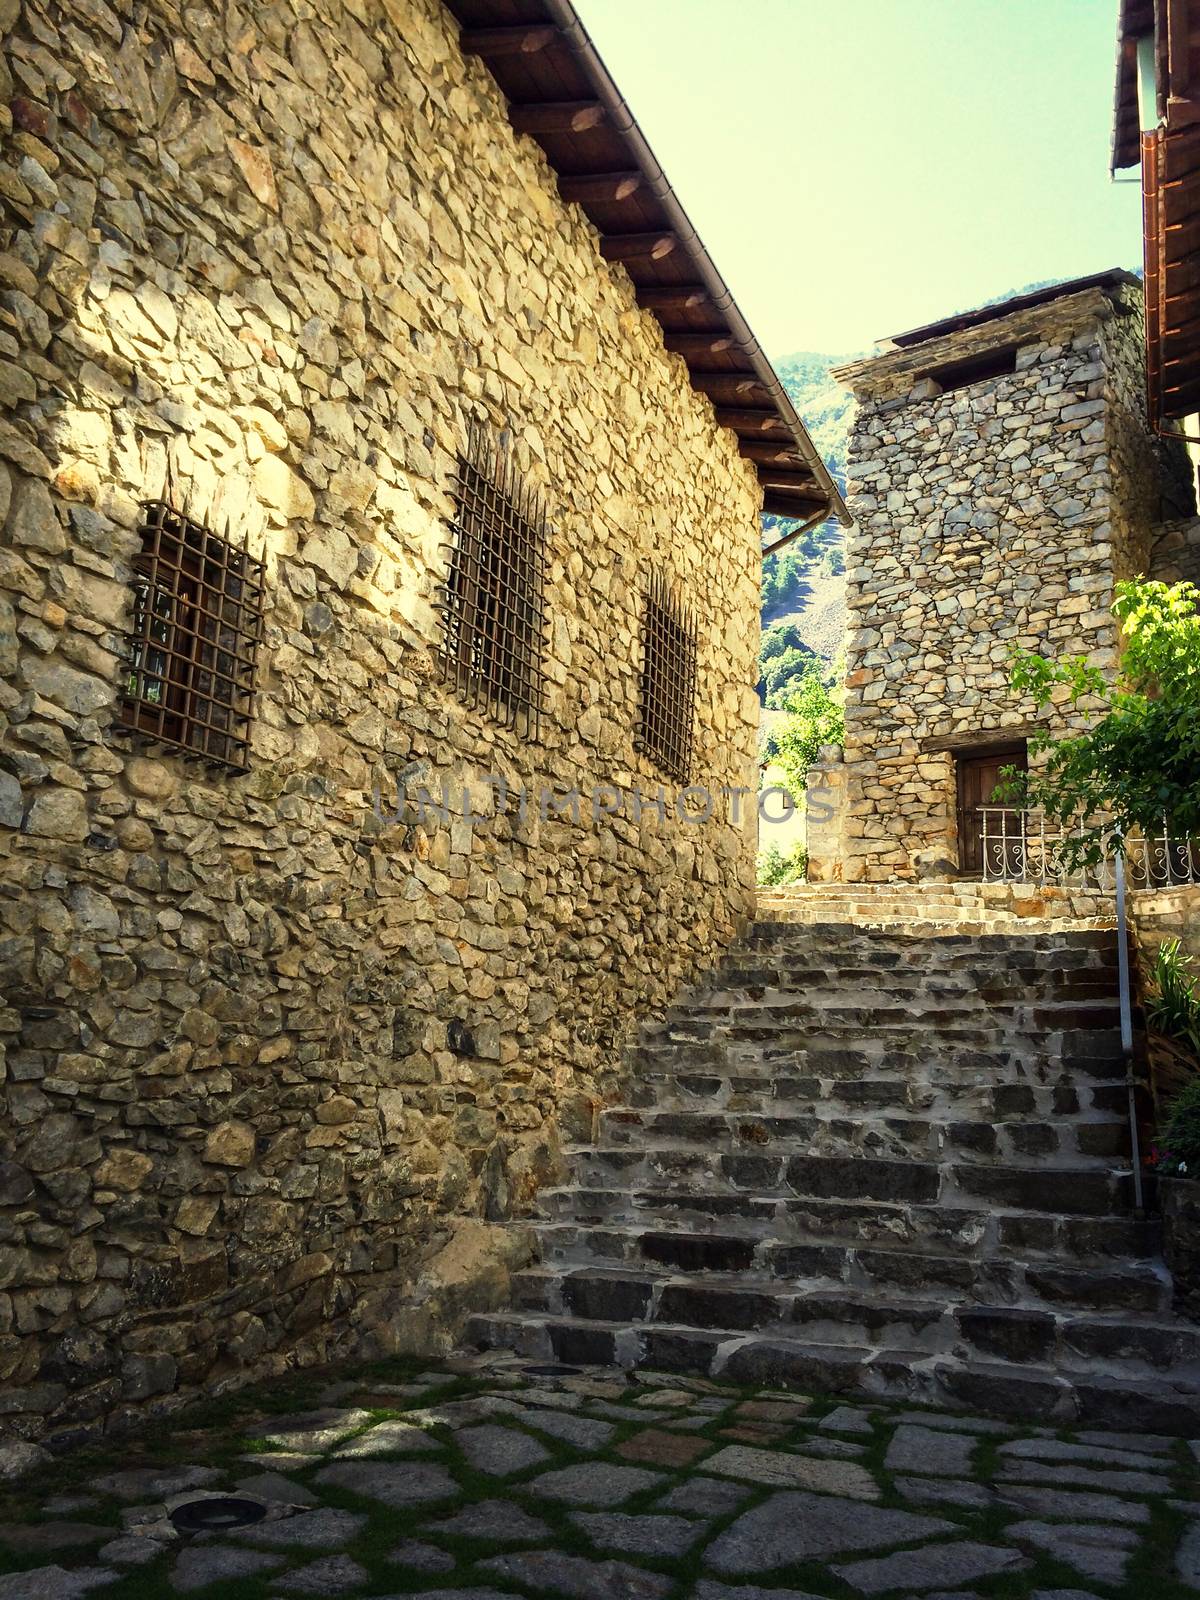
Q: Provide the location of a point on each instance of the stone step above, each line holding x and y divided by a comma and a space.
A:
994, 897
749, 1301
834, 1317
936, 923
1068, 1390
771, 932
970, 1252
964, 973
1053, 1013
930, 1042
1074, 1191
973, 996
978, 1230
1143, 1286
914, 912
815, 951
1089, 1057
1070, 1139
833, 979
781, 1094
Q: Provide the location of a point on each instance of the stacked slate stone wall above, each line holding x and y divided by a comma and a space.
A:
1160, 914
990, 516
276, 1065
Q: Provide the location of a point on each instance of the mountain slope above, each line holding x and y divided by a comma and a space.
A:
804, 586
825, 406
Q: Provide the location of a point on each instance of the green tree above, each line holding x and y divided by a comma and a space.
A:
783, 657
815, 717
1141, 760
774, 867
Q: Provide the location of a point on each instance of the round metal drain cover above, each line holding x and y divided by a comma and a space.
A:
552, 1371
216, 1512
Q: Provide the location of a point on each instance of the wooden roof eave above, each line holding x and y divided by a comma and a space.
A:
569, 99
1135, 19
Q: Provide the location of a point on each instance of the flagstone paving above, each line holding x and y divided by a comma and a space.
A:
477, 1481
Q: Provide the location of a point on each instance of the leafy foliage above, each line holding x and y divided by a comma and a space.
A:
788, 587
784, 659
826, 407
1173, 1002
815, 717
1180, 1135
1141, 760
774, 867
784, 575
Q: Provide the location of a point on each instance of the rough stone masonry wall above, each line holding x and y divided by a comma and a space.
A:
993, 515
1176, 554
1162, 914
273, 256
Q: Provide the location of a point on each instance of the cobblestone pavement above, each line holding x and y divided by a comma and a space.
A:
475, 1482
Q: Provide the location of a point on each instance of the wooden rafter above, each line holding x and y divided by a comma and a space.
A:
557, 116
493, 43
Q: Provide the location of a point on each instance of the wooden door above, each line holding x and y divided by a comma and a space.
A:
978, 777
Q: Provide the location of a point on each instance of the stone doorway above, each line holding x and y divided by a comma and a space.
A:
978, 771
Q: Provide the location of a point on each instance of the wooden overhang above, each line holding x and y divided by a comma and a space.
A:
1135, 19
559, 92
1170, 163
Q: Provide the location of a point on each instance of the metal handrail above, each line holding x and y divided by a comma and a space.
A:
1125, 997
1023, 846
1026, 846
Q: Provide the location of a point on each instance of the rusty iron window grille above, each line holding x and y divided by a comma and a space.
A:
667, 697
188, 674
493, 604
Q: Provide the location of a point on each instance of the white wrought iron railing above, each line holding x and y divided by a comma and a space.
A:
1028, 847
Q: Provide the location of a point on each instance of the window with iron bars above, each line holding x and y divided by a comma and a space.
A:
188, 676
667, 694
493, 606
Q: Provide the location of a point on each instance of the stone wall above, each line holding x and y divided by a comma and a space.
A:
824, 816
275, 1064
1159, 914
1175, 557
994, 515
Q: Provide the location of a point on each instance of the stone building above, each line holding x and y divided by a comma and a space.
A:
1003, 479
360, 452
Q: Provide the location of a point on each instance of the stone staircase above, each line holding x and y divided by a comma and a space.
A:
884, 1159
962, 907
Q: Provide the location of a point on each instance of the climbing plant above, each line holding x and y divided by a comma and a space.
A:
1141, 758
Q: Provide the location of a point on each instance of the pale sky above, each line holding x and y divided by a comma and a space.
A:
859, 167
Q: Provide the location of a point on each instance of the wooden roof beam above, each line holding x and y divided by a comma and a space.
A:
637, 246
725, 386
774, 478
668, 298
748, 421
782, 504
556, 116
494, 43
696, 346
772, 455
599, 187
